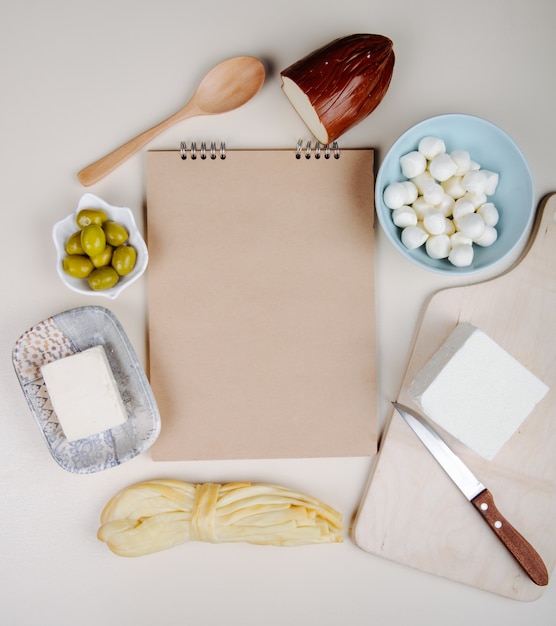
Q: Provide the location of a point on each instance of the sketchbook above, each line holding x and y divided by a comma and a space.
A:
261, 309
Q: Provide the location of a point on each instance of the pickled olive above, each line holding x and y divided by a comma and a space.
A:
93, 239
78, 266
116, 234
73, 244
123, 259
90, 216
103, 278
103, 258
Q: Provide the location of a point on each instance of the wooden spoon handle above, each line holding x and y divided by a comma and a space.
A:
99, 169
519, 547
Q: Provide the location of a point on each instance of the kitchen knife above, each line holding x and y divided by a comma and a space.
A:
478, 495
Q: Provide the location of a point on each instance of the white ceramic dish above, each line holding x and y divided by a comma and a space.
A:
494, 150
68, 333
66, 227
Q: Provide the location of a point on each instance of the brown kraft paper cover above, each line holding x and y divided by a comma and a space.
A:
261, 304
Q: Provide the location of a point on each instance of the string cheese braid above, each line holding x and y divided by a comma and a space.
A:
160, 514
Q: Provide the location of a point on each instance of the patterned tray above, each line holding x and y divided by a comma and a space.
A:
65, 334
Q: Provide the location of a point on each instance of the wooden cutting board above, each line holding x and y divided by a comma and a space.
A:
411, 512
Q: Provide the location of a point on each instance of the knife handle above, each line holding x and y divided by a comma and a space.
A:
519, 547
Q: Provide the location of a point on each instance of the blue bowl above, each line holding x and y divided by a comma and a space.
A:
494, 150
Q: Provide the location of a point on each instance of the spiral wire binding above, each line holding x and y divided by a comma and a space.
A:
213, 152
332, 149
202, 153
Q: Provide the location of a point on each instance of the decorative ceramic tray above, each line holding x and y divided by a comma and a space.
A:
67, 333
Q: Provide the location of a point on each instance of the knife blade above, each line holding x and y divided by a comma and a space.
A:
481, 498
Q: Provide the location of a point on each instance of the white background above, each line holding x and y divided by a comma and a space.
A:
80, 78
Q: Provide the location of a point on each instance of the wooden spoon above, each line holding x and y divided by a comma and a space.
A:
227, 86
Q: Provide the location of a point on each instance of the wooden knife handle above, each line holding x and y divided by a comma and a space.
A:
520, 548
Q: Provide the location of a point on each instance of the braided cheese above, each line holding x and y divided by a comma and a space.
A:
160, 514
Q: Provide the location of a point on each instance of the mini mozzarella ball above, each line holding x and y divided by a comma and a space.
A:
433, 193
446, 205
394, 195
414, 237
404, 216
489, 236
459, 239
492, 179
461, 256
454, 187
421, 207
489, 213
476, 199
473, 165
449, 227
411, 191
422, 180
462, 159
412, 164
475, 181
438, 246
442, 167
462, 206
431, 147
434, 222
471, 225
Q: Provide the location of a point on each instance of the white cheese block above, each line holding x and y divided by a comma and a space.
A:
476, 391
84, 393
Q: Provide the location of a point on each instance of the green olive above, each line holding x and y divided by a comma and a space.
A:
103, 278
116, 234
93, 239
123, 259
90, 216
73, 244
77, 265
103, 258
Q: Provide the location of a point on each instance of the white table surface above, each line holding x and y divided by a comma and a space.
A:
80, 78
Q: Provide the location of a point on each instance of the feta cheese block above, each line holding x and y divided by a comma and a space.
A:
476, 391
84, 393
